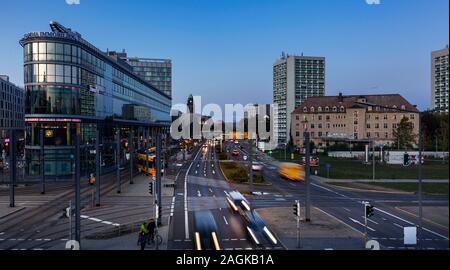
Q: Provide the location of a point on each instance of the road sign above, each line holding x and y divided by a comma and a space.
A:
410, 235
373, 245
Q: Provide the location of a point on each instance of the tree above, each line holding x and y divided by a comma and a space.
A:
435, 130
404, 134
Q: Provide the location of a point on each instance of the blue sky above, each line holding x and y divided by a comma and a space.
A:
223, 50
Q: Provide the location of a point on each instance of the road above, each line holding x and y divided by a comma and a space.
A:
201, 186
386, 226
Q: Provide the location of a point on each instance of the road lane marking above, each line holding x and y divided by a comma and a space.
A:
198, 193
95, 219
107, 222
225, 219
186, 216
374, 222
357, 222
210, 190
395, 224
435, 233
346, 209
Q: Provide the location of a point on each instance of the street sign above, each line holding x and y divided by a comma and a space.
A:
410, 235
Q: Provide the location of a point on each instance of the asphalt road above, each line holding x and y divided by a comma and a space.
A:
201, 186
386, 226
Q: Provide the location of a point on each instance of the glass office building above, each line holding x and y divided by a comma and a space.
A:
73, 87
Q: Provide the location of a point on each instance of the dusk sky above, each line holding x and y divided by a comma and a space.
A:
224, 50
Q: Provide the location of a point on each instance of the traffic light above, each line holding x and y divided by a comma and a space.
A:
297, 209
150, 188
369, 210
405, 159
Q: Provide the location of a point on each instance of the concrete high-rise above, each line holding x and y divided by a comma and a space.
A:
295, 78
439, 80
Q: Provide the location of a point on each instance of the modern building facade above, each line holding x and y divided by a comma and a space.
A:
295, 78
11, 105
332, 119
158, 72
440, 80
73, 88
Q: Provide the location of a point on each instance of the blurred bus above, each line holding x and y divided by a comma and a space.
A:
292, 171
141, 164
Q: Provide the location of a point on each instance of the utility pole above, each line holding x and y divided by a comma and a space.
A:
119, 188
98, 167
77, 189
250, 166
12, 167
158, 176
307, 178
41, 138
420, 181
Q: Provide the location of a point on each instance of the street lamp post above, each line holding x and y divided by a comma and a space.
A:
420, 160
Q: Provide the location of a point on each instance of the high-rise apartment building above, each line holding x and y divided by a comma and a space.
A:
295, 78
439, 80
158, 72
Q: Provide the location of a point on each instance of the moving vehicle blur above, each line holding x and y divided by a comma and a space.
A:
236, 202
257, 166
235, 153
205, 234
292, 171
258, 231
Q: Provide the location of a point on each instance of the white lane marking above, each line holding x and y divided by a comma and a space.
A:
234, 239
435, 233
198, 193
395, 224
186, 216
172, 207
83, 216
212, 165
95, 219
225, 219
196, 172
410, 223
346, 209
107, 222
2, 233
214, 172
357, 222
47, 240
210, 190
374, 222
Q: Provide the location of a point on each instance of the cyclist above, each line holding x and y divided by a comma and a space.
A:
151, 231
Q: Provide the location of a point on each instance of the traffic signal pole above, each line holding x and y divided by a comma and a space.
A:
77, 189
365, 222
158, 176
119, 188
12, 166
131, 149
41, 138
97, 167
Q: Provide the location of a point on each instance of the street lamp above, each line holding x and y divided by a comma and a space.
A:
420, 156
306, 136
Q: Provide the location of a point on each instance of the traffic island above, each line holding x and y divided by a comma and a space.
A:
322, 233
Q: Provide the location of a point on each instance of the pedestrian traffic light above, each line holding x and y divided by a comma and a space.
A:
369, 210
297, 209
150, 188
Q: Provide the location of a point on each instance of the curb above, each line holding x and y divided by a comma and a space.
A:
13, 212
245, 183
367, 190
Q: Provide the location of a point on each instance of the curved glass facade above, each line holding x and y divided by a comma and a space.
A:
68, 79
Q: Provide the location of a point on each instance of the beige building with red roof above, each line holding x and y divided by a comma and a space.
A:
332, 119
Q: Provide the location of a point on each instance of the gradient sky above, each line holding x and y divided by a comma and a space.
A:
224, 50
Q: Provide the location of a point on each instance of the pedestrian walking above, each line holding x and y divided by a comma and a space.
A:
143, 235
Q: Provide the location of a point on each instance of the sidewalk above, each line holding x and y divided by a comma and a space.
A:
323, 232
124, 237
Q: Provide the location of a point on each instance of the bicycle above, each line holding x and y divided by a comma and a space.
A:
158, 237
